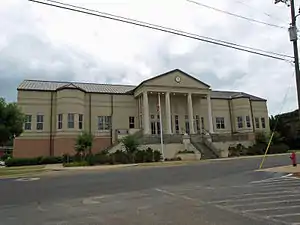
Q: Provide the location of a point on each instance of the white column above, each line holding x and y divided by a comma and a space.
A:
210, 120
168, 113
191, 114
146, 113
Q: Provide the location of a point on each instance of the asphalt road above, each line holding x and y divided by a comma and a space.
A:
216, 192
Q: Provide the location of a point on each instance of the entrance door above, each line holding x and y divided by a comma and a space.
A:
155, 124
187, 124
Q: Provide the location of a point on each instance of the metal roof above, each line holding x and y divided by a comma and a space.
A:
39, 85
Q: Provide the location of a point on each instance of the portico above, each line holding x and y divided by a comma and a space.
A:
181, 112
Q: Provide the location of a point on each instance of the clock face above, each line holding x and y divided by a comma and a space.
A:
177, 79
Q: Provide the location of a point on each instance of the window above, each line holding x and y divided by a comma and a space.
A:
80, 121
27, 125
104, 123
197, 123
263, 122
131, 122
59, 121
240, 122
256, 122
220, 123
248, 123
176, 124
40, 122
71, 120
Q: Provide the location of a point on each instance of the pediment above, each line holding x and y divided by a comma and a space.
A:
70, 86
175, 78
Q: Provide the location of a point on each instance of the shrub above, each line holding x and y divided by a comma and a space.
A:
84, 142
237, 150
22, 161
51, 160
75, 164
278, 148
186, 152
131, 145
120, 157
257, 149
102, 158
157, 156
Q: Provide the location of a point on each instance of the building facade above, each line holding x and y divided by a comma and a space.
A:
56, 112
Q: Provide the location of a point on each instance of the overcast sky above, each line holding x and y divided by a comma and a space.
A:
42, 42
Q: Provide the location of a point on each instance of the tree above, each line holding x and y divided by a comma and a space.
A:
131, 145
84, 143
11, 121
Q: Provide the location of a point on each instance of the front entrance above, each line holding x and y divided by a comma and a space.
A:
155, 124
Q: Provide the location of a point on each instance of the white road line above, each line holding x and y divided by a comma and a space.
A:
178, 195
284, 215
271, 208
297, 184
272, 178
275, 181
264, 193
264, 203
251, 199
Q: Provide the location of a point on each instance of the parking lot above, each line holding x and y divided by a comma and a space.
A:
274, 199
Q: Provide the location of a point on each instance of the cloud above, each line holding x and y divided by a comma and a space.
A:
40, 42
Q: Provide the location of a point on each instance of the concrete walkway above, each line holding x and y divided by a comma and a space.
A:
283, 169
60, 167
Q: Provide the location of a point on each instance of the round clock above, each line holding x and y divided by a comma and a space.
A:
177, 79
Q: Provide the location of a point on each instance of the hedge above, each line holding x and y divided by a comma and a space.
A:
102, 158
33, 161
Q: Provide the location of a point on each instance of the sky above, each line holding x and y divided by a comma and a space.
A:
46, 43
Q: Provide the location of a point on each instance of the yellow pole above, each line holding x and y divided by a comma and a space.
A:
268, 146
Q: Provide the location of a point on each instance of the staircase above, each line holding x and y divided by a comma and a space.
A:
206, 152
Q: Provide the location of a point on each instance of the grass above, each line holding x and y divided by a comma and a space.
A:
21, 170
297, 151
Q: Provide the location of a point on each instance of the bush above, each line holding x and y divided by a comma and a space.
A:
237, 150
157, 156
103, 158
278, 148
51, 160
120, 157
75, 164
257, 149
173, 159
186, 152
22, 161
33, 161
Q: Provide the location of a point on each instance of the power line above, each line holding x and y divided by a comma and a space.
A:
236, 15
169, 29
263, 12
164, 29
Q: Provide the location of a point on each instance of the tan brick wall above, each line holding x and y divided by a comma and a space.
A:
28, 148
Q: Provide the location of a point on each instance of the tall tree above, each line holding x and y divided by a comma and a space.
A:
11, 121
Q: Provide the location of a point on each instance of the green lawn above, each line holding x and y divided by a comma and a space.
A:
21, 170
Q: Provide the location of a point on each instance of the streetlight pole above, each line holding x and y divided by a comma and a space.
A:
294, 39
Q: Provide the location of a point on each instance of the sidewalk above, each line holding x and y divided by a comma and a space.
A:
60, 167
283, 169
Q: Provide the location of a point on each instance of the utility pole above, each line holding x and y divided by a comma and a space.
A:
294, 39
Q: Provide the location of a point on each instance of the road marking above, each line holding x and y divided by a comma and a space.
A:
272, 208
284, 215
28, 179
92, 200
178, 195
264, 203
251, 199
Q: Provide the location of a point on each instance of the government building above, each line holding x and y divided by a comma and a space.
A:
56, 112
